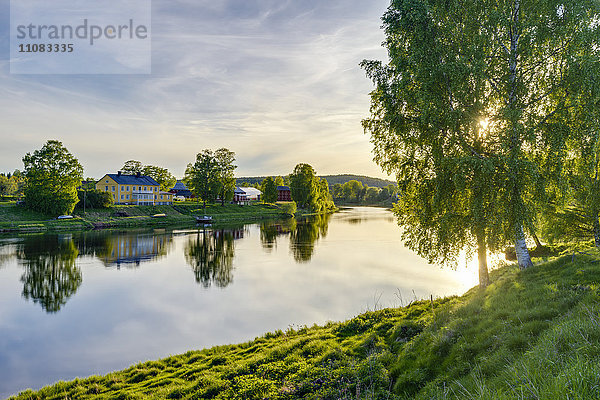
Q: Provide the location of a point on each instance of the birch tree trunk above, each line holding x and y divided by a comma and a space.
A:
521, 249
484, 278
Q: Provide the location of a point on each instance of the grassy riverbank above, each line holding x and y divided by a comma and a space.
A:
14, 218
530, 334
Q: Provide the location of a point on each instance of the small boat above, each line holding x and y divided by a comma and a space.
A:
159, 215
65, 217
204, 219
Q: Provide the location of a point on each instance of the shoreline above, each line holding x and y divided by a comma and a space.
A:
16, 219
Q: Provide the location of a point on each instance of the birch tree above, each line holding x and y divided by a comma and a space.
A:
460, 112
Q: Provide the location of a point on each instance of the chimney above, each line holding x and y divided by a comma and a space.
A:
138, 174
118, 173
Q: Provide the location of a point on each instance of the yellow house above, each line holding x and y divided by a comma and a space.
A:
134, 189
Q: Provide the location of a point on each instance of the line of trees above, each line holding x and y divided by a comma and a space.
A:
53, 179
355, 192
490, 124
12, 184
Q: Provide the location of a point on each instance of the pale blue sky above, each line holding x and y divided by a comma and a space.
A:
276, 81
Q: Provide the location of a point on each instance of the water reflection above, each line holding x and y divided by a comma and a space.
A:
269, 231
126, 248
6, 253
210, 254
305, 236
51, 276
122, 316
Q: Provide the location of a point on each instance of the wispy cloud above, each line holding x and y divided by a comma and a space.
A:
276, 81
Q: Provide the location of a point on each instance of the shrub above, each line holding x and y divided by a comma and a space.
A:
288, 207
94, 199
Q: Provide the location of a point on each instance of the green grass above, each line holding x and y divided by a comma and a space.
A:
18, 218
531, 334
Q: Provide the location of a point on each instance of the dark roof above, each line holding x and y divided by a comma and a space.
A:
283, 188
179, 186
133, 179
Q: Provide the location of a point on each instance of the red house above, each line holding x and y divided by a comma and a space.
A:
284, 193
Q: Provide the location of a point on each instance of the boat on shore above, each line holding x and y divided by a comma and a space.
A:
204, 219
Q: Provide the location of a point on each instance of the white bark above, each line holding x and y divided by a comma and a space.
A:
484, 278
521, 249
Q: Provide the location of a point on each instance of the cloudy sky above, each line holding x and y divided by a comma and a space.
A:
276, 81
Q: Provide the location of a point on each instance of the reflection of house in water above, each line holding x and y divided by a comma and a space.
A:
235, 234
133, 249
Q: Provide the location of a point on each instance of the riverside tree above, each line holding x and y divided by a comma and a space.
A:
309, 191
269, 190
52, 177
459, 114
211, 175
225, 169
201, 176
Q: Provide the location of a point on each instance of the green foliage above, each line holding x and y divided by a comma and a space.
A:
303, 185
269, 190
574, 185
355, 192
7, 186
279, 181
132, 167
469, 113
201, 177
94, 199
53, 175
287, 207
165, 179
309, 191
225, 174
212, 175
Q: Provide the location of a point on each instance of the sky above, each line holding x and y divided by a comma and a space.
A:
276, 81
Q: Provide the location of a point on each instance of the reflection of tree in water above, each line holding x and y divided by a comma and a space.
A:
51, 276
306, 234
269, 231
210, 254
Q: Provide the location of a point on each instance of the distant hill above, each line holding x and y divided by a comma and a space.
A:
331, 180
366, 180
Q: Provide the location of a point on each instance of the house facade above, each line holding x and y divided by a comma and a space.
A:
284, 193
246, 194
134, 190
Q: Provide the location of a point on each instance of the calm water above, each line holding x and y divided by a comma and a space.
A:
88, 303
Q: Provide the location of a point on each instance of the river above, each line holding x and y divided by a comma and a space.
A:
79, 304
